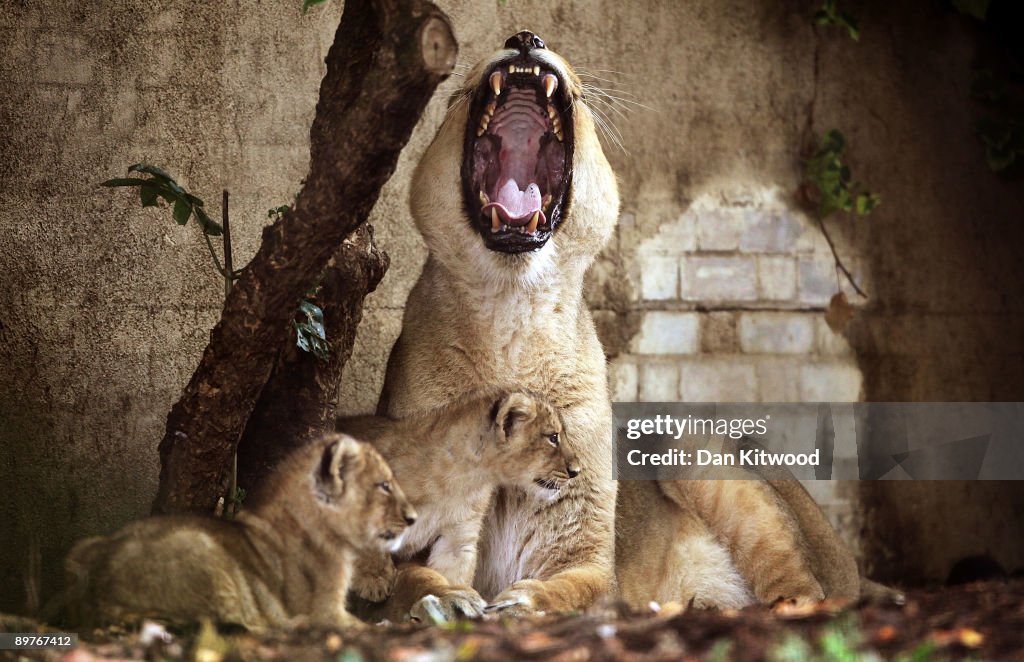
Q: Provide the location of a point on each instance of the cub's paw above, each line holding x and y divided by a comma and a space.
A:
374, 588
374, 583
514, 602
455, 604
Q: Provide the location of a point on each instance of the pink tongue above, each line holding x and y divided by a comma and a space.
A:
519, 204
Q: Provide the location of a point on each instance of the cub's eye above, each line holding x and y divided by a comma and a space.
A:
385, 487
553, 439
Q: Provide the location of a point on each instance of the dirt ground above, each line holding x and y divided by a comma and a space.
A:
982, 621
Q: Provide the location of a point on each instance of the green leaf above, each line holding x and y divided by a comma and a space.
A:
159, 174
999, 158
182, 210
306, 4
208, 225
126, 181
866, 203
850, 23
148, 195
976, 8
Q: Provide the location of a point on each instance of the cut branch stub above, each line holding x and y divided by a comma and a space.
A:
379, 79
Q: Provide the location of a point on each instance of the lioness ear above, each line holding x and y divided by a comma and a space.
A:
512, 410
341, 458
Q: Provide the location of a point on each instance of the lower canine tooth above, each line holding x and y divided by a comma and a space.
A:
495, 221
532, 226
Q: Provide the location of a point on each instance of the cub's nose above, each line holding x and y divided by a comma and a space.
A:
573, 470
524, 42
410, 517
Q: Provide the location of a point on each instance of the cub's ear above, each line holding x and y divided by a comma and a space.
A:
512, 410
342, 457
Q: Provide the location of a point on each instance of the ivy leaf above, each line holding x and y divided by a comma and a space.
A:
999, 157
976, 8
125, 181
310, 335
182, 210
866, 203
148, 195
850, 23
209, 226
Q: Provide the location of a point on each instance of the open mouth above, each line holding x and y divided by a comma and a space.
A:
517, 158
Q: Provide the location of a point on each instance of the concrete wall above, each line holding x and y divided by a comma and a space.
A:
713, 288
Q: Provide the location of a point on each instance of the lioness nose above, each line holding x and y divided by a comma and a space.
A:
410, 517
573, 470
524, 42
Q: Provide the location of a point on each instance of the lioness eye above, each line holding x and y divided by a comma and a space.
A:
385, 487
553, 439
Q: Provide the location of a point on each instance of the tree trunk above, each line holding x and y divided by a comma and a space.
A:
387, 58
300, 398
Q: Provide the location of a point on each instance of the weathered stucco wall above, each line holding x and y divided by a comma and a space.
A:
713, 287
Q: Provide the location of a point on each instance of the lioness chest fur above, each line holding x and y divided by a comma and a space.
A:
286, 558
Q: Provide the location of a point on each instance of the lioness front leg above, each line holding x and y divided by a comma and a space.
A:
454, 554
571, 589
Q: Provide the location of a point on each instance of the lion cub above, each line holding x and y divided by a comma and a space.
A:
286, 558
450, 462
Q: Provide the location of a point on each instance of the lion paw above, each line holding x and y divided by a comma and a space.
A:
450, 606
374, 586
514, 602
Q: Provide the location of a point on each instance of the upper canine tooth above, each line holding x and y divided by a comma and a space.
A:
496, 83
550, 84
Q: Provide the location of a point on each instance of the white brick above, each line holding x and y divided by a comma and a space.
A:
830, 382
624, 381
718, 278
776, 277
676, 237
778, 381
659, 277
829, 342
668, 333
659, 382
718, 381
818, 282
719, 229
776, 333
770, 232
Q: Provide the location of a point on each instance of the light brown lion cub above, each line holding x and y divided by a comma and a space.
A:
450, 462
286, 558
